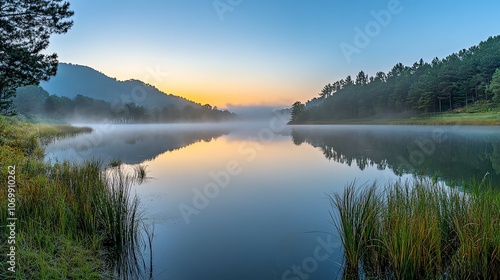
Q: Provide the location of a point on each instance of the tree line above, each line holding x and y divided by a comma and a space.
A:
469, 76
34, 101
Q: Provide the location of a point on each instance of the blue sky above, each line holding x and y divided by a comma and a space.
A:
265, 52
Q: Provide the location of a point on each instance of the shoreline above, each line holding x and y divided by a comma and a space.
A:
81, 238
486, 119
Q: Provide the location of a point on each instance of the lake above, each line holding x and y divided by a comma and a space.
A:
250, 200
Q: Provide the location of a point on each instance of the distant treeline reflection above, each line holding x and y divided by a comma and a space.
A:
454, 154
133, 144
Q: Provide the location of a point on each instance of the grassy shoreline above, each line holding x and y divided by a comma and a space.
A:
419, 230
452, 118
74, 221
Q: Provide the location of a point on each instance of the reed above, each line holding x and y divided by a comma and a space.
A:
49, 132
358, 211
75, 221
141, 172
419, 229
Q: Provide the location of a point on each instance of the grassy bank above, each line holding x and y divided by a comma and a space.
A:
73, 221
419, 230
437, 119
478, 114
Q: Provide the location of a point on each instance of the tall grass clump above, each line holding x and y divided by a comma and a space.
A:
74, 221
359, 210
119, 215
419, 229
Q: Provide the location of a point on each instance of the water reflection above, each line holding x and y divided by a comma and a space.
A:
452, 153
270, 217
131, 144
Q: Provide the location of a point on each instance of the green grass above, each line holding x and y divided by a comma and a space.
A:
476, 114
456, 118
419, 230
74, 221
358, 210
47, 133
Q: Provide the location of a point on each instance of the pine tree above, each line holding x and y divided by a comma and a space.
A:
25, 29
297, 110
494, 87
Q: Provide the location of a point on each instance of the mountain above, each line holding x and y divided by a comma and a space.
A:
72, 80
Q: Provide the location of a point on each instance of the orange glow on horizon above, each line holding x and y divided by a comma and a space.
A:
221, 89
222, 101
244, 94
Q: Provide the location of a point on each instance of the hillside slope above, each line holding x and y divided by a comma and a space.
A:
72, 80
462, 81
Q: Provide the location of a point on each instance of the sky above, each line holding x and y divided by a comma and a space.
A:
265, 52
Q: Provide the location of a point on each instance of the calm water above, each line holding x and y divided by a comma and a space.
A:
249, 201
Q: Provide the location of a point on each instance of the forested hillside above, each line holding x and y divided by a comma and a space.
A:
33, 103
459, 80
80, 93
72, 80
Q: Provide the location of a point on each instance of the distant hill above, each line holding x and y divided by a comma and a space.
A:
452, 84
72, 80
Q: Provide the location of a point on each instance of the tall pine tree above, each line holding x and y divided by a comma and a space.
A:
25, 30
494, 87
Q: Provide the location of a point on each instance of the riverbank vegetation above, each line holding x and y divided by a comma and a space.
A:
74, 221
469, 77
434, 119
419, 230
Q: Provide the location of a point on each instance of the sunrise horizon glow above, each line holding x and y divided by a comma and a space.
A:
254, 53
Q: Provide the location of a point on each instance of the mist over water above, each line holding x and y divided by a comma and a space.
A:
132, 144
247, 200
